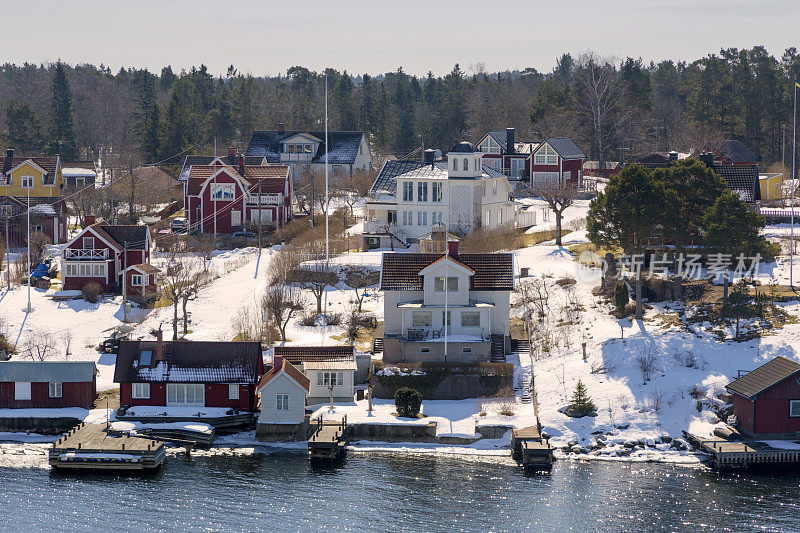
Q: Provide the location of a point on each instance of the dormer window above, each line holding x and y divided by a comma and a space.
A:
27, 182
452, 284
146, 358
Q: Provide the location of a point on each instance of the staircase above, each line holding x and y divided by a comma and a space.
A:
527, 394
377, 345
498, 349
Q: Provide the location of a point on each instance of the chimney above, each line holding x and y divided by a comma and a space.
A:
242, 166
277, 361
429, 156
9, 153
159, 345
281, 127
673, 156
231, 151
509, 140
452, 247
707, 158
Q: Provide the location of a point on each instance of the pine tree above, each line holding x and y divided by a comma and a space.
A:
147, 114
244, 116
581, 404
62, 130
177, 129
24, 129
739, 304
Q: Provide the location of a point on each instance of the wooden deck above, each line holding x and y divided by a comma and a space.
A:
220, 422
328, 440
731, 454
530, 449
90, 446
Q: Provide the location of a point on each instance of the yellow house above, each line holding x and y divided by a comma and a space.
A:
771, 186
41, 176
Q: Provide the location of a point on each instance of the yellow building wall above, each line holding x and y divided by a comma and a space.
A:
771, 188
39, 190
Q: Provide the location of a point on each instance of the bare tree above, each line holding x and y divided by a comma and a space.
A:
182, 281
281, 302
66, 340
40, 345
359, 278
353, 187
283, 264
315, 277
559, 195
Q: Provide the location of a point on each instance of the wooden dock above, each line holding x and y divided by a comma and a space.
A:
529, 448
731, 454
91, 447
327, 440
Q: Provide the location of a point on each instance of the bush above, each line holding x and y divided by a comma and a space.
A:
621, 297
38, 242
407, 401
333, 319
91, 292
581, 404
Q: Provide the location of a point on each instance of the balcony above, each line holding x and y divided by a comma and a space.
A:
287, 157
100, 254
437, 335
266, 199
385, 228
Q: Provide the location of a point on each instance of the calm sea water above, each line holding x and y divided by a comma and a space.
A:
392, 492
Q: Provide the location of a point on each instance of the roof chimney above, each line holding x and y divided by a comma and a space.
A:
673, 156
159, 345
231, 151
707, 158
277, 361
242, 166
281, 127
452, 246
509, 140
429, 156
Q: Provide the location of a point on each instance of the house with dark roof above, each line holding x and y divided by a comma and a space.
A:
446, 308
101, 252
283, 390
228, 199
347, 151
230, 159
766, 401
189, 373
557, 159
32, 184
47, 384
731, 152
79, 174
409, 198
501, 152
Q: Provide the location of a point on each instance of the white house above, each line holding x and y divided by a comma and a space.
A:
325, 367
409, 197
283, 391
471, 290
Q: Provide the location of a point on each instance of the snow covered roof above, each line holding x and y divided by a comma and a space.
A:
493, 272
43, 209
47, 371
331, 365
304, 354
762, 378
77, 172
289, 370
344, 145
189, 362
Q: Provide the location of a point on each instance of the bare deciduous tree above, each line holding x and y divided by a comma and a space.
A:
182, 281
359, 278
559, 195
281, 302
315, 277
66, 340
40, 345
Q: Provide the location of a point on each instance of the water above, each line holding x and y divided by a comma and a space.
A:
393, 492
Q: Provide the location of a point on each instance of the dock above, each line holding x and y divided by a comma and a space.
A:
734, 455
327, 440
531, 450
92, 447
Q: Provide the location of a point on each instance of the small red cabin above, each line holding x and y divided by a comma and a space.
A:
47, 384
141, 283
189, 373
766, 401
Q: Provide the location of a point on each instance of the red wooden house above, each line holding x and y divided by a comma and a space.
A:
502, 153
141, 283
557, 159
47, 384
228, 199
101, 252
189, 373
766, 401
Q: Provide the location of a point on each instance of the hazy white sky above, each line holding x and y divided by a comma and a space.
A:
377, 36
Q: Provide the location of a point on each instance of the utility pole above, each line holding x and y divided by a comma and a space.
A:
111, 194
8, 256
125, 281
28, 309
260, 202
794, 184
327, 197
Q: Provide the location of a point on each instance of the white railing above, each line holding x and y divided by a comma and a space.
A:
275, 199
86, 255
371, 226
287, 157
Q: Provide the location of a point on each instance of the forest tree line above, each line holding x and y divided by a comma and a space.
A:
613, 109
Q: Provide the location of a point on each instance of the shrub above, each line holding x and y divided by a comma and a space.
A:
91, 292
506, 401
407, 401
309, 319
333, 319
581, 404
621, 297
566, 281
38, 242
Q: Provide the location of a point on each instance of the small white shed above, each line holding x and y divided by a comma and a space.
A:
283, 391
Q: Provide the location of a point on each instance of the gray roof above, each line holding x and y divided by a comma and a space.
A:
565, 148
734, 150
500, 137
764, 377
385, 182
464, 147
493, 272
344, 145
47, 371
742, 180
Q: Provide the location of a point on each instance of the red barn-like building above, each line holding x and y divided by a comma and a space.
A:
766, 401
189, 373
47, 384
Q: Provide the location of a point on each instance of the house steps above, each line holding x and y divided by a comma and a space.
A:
498, 349
377, 345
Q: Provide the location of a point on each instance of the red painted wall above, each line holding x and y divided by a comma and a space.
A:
72, 395
770, 411
216, 395
743, 409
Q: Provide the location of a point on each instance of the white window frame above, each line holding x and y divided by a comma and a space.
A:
236, 217
791, 404
436, 192
136, 280
425, 349
22, 390
27, 182
5, 209
55, 389
466, 349
282, 402
223, 192
233, 391
469, 315
452, 286
178, 394
140, 391
408, 191
422, 191
89, 241
421, 319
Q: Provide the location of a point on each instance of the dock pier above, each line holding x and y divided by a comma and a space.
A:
736, 455
93, 447
327, 440
531, 450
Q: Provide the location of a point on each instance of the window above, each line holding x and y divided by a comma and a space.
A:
282, 402
466, 349
236, 218
516, 167
422, 191
80, 182
452, 284
425, 350
5, 209
222, 191
552, 159
330, 378
88, 243
483, 189
22, 390
408, 191
391, 217
794, 408
54, 390
422, 218
140, 391
233, 391
27, 182
465, 164
136, 280
500, 217
448, 318
99, 270
494, 187
421, 319
436, 192
470, 319
145, 357
38, 228
185, 394
455, 164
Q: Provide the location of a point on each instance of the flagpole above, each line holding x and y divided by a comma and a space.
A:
794, 159
327, 198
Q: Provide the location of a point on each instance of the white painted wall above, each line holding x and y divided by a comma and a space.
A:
339, 391
282, 384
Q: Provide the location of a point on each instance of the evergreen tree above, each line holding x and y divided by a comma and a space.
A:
177, 132
244, 116
62, 130
147, 114
739, 304
581, 404
24, 129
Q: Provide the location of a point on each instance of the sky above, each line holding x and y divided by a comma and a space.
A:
268, 37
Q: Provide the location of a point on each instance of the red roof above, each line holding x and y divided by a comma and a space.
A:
272, 177
290, 371
303, 354
493, 272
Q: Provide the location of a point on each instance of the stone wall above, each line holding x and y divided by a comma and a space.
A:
282, 432
45, 426
435, 385
392, 432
